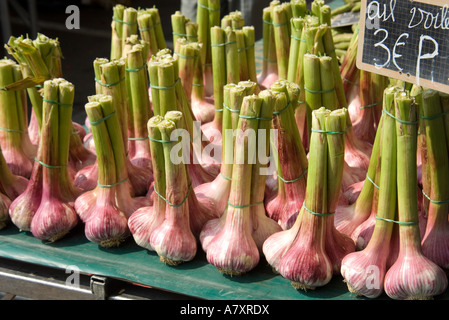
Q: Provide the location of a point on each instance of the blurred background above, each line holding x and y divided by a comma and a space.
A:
81, 47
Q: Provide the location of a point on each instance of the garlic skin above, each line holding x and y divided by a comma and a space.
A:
435, 243
85, 204
142, 223
414, 277
261, 225
364, 271
275, 246
23, 208
210, 229
337, 245
108, 227
217, 191
233, 251
306, 263
87, 177
53, 219
173, 242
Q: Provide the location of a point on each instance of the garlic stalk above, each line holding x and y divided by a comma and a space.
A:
357, 268
412, 276
55, 216
229, 245
146, 219
173, 239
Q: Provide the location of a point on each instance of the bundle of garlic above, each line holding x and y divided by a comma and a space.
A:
402, 270
310, 252
11, 186
106, 208
150, 29
177, 211
207, 17
110, 77
139, 106
230, 241
40, 59
284, 205
15, 142
218, 189
46, 206
191, 75
434, 130
168, 95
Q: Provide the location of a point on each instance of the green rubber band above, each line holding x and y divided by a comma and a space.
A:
268, 60
282, 110
245, 48
223, 44
299, 39
197, 85
232, 110
399, 120
166, 88
125, 22
138, 139
329, 132
371, 105
227, 178
207, 8
14, 130
180, 34
49, 166
411, 223
267, 22
318, 91
244, 206
254, 118
136, 69
111, 185
433, 117
172, 204
149, 28
109, 84
94, 123
219, 110
434, 201
316, 213
279, 24
57, 103
349, 81
372, 181
160, 141
294, 180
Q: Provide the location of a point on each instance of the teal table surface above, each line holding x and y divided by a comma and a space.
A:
132, 263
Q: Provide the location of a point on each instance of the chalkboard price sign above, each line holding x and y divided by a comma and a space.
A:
406, 40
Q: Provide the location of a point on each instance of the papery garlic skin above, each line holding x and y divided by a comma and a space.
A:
53, 220
275, 246
414, 277
108, 226
233, 251
173, 242
142, 223
364, 271
306, 263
